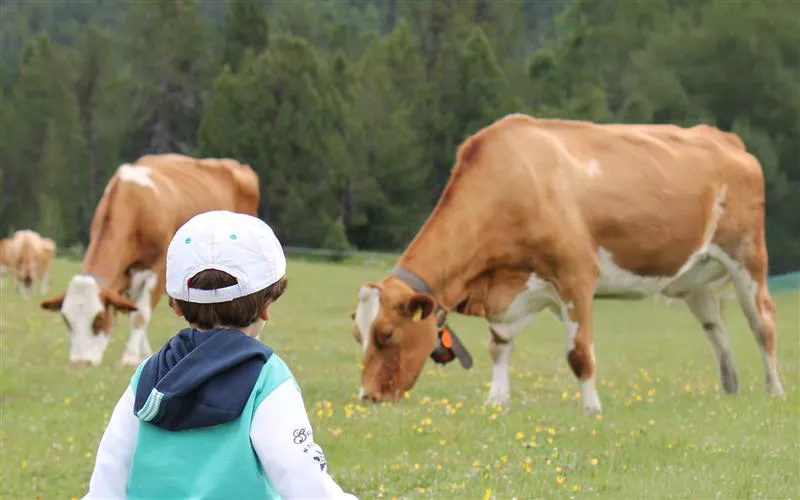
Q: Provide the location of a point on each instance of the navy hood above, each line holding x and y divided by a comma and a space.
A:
199, 379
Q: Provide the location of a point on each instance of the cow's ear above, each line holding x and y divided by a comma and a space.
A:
117, 301
354, 329
419, 306
53, 303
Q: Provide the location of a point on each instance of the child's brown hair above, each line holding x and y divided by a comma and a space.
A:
241, 312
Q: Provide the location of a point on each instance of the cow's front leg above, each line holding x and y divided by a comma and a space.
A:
500, 350
44, 284
138, 348
576, 314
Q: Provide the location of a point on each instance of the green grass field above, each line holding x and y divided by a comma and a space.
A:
667, 431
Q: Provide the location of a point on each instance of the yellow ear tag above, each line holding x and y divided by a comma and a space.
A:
417, 314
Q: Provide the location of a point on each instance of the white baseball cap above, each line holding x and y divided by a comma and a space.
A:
241, 245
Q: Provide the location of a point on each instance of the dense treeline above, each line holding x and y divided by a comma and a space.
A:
351, 111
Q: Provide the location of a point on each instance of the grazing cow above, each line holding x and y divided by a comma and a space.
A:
554, 213
29, 257
124, 267
5, 259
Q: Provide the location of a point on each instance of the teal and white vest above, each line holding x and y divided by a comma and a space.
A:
209, 462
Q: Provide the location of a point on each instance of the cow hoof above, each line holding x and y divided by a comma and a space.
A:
593, 409
776, 390
130, 361
729, 378
496, 397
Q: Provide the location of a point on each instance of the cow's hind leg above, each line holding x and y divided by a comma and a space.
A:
705, 307
751, 289
500, 350
138, 348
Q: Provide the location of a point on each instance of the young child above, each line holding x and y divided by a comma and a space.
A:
215, 413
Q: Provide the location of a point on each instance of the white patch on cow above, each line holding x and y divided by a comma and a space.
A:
139, 175
614, 281
537, 295
138, 348
80, 307
589, 397
500, 392
571, 327
593, 168
717, 211
108, 186
369, 306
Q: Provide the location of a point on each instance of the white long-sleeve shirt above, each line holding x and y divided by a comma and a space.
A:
280, 433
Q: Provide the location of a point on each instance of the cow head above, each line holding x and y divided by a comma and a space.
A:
396, 329
88, 311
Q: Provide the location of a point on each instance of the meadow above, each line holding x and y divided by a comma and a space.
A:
667, 430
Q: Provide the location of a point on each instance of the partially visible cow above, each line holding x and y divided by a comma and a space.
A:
5, 259
553, 214
29, 256
124, 267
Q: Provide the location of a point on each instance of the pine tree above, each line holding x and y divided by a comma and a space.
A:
246, 30
283, 129
167, 50
50, 155
92, 61
471, 91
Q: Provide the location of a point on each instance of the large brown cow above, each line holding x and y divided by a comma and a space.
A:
553, 214
29, 256
142, 207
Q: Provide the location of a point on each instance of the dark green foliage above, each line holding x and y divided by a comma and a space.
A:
351, 112
246, 29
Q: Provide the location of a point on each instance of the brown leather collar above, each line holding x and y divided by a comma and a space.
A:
448, 345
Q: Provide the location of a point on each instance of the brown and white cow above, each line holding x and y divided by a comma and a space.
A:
29, 257
5, 259
124, 267
555, 213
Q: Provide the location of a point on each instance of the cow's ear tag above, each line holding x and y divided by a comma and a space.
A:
447, 340
417, 314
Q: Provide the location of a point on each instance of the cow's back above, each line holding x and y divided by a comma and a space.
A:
188, 186
651, 195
